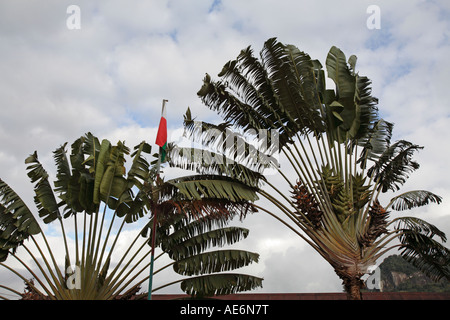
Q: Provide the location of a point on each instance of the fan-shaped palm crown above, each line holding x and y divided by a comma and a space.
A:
336, 144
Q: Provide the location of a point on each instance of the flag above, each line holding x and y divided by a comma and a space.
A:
161, 137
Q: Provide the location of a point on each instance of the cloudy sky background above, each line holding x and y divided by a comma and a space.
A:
110, 76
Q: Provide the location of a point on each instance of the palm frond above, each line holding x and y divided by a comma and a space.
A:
186, 220
214, 261
217, 97
45, 200
413, 199
239, 76
140, 168
366, 110
79, 196
394, 166
67, 183
352, 114
375, 142
274, 93
63, 172
279, 64
264, 98
129, 205
339, 71
91, 150
253, 149
220, 284
210, 163
421, 249
183, 243
17, 222
341, 111
199, 187
418, 226
110, 182
425, 253
200, 215
306, 71
133, 208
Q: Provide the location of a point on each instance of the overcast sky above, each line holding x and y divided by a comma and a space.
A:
109, 74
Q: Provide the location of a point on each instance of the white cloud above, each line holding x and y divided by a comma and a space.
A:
110, 77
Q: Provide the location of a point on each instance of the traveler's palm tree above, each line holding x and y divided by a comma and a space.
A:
92, 192
336, 144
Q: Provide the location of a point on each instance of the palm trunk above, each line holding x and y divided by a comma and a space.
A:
352, 283
354, 293
353, 287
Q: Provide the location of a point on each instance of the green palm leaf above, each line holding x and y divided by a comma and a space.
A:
420, 249
375, 142
261, 95
109, 180
199, 187
339, 71
100, 167
67, 183
181, 225
220, 165
394, 165
425, 253
140, 168
129, 205
366, 111
220, 284
418, 226
214, 261
215, 94
45, 200
183, 244
228, 153
265, 95
63, 173
283, 64
186, 240
17, 222
308, 113
79, 194
413, 199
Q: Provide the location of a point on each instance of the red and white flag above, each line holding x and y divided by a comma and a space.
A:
161, 137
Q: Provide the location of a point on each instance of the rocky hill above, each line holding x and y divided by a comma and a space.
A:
399, 275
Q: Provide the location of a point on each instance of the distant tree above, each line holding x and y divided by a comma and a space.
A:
414, 281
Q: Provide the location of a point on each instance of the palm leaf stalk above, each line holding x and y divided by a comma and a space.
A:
339, 151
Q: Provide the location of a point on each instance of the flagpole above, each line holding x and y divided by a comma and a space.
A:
152, 259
